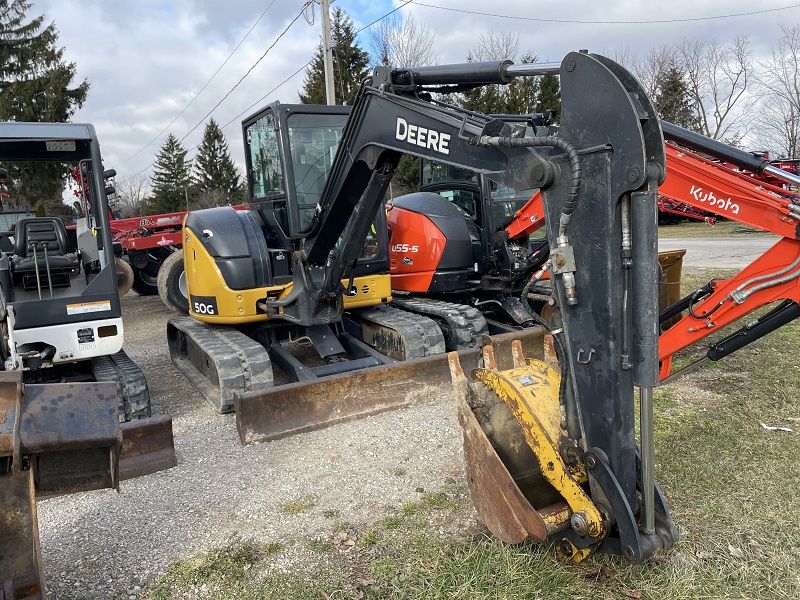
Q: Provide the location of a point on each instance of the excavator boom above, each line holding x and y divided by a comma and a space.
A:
726, 185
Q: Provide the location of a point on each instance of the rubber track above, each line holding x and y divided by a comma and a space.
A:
421, 335
132, 391
463, 326
241, 363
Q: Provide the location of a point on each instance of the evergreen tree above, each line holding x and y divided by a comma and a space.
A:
673, 101
350, 64
214, 170
549, 96
34, 79
522, 94
35, 85
171, 178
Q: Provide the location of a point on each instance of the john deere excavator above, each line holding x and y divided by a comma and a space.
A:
301, 265
66, 383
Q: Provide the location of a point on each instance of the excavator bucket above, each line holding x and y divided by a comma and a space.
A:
279, 412
62, 438
54, 439
514, 445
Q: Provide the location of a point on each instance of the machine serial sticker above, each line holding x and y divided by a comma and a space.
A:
88, 307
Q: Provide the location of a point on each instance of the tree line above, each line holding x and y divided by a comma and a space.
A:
716, 89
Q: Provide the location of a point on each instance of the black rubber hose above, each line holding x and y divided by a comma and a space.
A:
548, 141
561, 353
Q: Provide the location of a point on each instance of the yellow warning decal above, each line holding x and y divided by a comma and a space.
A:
88, 307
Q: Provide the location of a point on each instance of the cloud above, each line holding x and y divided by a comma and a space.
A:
146, 60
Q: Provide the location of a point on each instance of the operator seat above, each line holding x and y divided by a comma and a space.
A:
32, 236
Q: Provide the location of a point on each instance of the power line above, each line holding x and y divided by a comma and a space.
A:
249, 108
200, 91
230, 90
384, 16
575, 21
250, 70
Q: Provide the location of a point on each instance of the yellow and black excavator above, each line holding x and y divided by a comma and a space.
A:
550, 443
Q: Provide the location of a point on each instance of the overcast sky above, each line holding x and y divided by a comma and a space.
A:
146, 60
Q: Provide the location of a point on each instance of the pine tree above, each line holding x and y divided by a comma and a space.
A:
350, 64
171, 178
35, 86
549, 97
34, 79
214, 172
673, 102
522, 94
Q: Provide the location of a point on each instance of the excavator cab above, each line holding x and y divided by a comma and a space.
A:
243, 270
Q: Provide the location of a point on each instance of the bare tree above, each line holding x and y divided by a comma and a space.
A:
718, 78
399, 42
651, 69
779, 112
132, 195
208, 198
381, 51
623, 56
495, 46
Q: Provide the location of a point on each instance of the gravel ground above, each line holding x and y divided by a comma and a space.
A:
109, 544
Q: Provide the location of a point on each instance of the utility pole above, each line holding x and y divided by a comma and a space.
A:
330, 93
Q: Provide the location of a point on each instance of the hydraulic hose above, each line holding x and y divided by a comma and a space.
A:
548, 141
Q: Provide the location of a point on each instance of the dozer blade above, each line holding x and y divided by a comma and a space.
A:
148, 446
514, 451
306, 406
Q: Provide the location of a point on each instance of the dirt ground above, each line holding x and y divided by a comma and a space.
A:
108, 544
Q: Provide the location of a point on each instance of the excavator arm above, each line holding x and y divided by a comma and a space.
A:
722, 182
584, 485
721, 186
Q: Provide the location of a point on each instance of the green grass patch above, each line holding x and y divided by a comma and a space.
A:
319, 546
299, 506
218, 569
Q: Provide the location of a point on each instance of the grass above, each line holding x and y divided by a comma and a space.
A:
699, 229
299, 506
730, 484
